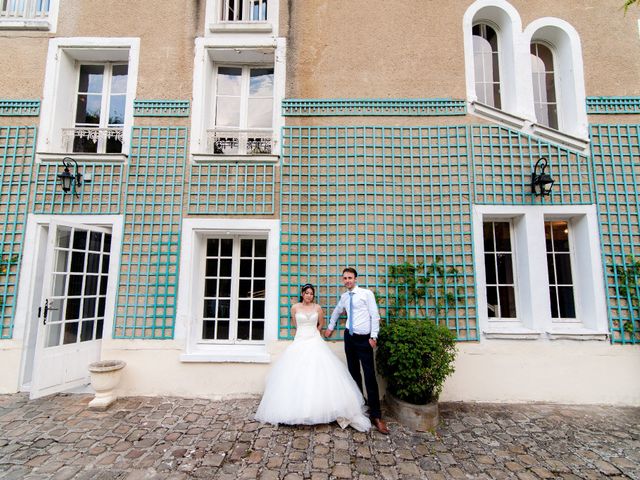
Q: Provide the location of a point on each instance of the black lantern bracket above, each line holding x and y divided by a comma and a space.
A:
541, 182
70, 181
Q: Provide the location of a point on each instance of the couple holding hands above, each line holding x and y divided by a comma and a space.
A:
309, 385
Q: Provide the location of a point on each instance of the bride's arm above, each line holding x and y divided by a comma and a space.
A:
293, 317
320, 318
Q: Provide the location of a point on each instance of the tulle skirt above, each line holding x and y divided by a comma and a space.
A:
309, 385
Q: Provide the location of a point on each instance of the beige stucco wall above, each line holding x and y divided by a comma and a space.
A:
381, 49
506, 371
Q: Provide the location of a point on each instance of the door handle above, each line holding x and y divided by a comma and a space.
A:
45, 311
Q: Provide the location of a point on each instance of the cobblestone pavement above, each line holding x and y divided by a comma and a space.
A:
176, 438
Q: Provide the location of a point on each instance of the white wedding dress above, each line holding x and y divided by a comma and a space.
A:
309, 385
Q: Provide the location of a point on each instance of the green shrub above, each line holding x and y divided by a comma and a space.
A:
415, 356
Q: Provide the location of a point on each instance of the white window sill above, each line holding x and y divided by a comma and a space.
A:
43, 157
204, 158
575, 332
228, 354
15, 24
510, 332
245, 27
529, 127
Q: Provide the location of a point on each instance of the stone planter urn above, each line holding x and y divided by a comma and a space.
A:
105, 376
421, 418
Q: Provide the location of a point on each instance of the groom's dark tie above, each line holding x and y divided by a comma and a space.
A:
351, 313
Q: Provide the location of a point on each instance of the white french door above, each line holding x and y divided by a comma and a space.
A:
72, 309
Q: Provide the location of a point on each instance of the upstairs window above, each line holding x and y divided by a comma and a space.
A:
243, 111
28, 14
544, 85
100, 109
486, 65
244, 10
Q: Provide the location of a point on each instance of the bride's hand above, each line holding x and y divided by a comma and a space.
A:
328, 333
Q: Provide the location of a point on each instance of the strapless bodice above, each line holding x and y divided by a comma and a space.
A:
307, 325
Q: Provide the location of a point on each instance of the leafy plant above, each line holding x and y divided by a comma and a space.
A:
415, 356
627, 279
423, 287
5, 264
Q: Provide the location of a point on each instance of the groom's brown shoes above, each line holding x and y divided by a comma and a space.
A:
380, 425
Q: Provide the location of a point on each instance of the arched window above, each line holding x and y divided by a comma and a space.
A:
486, 65
544, 85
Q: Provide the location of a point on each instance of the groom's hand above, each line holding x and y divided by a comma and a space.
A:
373, 342
328, 333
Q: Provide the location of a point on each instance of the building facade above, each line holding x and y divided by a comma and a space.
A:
218, 154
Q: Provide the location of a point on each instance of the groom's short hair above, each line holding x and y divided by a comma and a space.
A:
350, 270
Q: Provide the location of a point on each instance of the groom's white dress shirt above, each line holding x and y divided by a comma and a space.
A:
366, 319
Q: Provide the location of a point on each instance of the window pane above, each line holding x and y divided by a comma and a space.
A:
73, 309
490, 268
101, 307
61, 260
258, 289
86, 333
70, 332
225, 287
507, 302
505, 269
245, 268
80, 239
492, 302
560, 236
116, 109
226, 247
257, 332
91, 285
228, 112
212, 247
245, 289
210, 287
91, 78
211, 268
503, 237
259, 268
554, 302
99, 325
77, 262
88, 110
95, 241
246, 248
260, 113
93, 263
261, 82
223, 330
487, 231
209, 309
75, 285
563, 269
261, 248
119, 79
208, 330
225, 267
107, 243
258, 309
565, 300
551, 269
244, 309
89, 307
243, 330
229, 80
224, 310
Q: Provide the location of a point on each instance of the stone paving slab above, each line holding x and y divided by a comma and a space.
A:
158, 438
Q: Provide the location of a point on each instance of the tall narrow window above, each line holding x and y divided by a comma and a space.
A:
243, 111
486, 65
100, 106
498, 261
544, 87
559, 268
234, 289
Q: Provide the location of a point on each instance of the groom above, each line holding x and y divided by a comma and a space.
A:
360, 338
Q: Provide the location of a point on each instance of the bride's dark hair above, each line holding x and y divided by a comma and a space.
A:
306, 287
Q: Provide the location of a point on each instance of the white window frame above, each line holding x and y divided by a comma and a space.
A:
59, 96
517, 110
514, 255
557, 93
532, 283
105, 100
47, 23
215, 25
496, 29
195, 231
209, 54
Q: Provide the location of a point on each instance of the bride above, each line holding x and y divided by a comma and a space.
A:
309, 384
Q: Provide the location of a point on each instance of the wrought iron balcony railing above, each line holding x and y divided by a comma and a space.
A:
239, 142
92, 140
